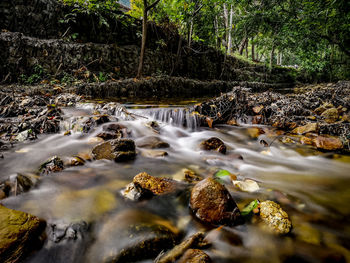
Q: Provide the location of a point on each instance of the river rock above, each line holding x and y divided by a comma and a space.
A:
212, 203
66, 242
153, 153
113, 131
19, 234
119, 150
17, 184
328, 143
330, 115
53, 165
156, 185
131, 236
310, 127
195, 256
274, 217
214, 144
152, 142
323, 108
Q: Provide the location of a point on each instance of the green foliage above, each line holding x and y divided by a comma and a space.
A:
103, 77
38, 73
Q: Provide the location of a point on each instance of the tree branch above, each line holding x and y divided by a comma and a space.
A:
152, 5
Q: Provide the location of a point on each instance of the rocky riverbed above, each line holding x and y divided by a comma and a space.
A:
265, 180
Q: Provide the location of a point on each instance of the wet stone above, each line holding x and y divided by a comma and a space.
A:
214, 144
53, 165
17, 184
66, 242
155, 185
212, 203
152, 142
310, 127
20, 233
274, 217
119, 150
328, 143
131, 236
330, 115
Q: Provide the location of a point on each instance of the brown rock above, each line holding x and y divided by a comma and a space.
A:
257, 109
195, 256
232, 122
331, 115
19, 234
157, 186
152, 142
310, 127
328, 143
257, 119
274, 217
214, 144
306, 140
191, 176
323, 108
118, 150
212, 203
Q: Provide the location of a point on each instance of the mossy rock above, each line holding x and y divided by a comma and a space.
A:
19, 234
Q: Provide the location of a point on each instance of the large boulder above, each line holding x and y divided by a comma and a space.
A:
19, 234
212, 203
118, 150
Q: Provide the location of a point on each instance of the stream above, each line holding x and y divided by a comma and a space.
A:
311, 186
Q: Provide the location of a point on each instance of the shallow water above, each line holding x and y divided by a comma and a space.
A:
312, 187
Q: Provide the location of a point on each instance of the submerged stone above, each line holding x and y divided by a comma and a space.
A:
212, 203
131, 236
152, 142
214, 144
274, 217
19, 234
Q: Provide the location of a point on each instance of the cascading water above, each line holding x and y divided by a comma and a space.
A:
311, 186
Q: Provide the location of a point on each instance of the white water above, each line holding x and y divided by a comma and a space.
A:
313, 189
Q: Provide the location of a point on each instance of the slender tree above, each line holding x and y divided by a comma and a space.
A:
146, 7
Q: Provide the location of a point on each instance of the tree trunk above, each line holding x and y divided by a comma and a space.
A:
272, 54
144, 37
246, 48
190, 31
242, 45
253, 50
229, 44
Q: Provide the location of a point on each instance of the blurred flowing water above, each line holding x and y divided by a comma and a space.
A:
312, 187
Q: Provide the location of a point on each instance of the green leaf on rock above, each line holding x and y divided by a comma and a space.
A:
248, 210
222, 173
